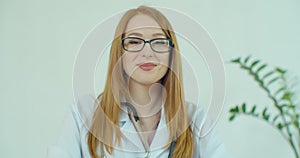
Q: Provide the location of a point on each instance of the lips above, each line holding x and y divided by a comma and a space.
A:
147, 66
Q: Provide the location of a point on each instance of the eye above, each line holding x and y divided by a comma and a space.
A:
160, 42
134, 41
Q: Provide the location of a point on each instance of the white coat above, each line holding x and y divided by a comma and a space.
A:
73, 139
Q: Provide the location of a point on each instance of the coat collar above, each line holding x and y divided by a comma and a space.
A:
133, 141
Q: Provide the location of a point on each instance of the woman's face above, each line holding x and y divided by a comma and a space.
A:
145, 66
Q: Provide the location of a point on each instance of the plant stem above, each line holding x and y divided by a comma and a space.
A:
290, 139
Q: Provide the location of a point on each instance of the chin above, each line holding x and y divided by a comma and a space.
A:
145, 81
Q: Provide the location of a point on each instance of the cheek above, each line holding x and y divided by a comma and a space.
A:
127, 63
164, 60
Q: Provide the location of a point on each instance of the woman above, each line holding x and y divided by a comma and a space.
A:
142, 111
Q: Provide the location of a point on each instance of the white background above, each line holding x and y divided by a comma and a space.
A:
39, 41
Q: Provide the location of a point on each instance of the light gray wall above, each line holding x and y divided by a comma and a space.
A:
39, 41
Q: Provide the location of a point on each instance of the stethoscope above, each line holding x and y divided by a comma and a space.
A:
136, 122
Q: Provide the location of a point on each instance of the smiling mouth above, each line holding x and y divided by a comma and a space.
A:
147, 66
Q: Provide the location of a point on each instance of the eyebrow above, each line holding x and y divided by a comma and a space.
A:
141, 35
158, 34
135, 34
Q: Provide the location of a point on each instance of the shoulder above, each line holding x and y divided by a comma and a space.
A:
86, 105
209, 145
195, 114
82, 110
72, 140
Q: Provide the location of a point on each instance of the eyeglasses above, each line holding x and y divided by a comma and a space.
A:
135, 44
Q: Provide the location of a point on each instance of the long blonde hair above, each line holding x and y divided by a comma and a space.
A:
105, 123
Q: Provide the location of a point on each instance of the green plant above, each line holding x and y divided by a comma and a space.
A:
274, 83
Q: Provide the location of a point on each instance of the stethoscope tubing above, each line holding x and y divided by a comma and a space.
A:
136, 122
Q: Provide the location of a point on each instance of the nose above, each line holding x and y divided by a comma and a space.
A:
147, 50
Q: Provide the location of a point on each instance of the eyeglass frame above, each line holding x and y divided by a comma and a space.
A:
171, 44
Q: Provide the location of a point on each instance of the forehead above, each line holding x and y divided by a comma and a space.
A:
144, 25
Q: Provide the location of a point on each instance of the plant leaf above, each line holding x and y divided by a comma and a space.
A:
234, 110
245, 67
267, 75
253, 109
283, 105
265, 115
247, 59
273, 80
288, 123
279, 126
281, 71
261, 67
254, 63
275, 118
264, 111
296, 123
292, 106
231, 118
244, 108
279, 90
237, 60
286, 96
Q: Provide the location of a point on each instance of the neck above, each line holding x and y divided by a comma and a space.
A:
147, 99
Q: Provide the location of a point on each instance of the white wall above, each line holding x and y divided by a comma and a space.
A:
39, 42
